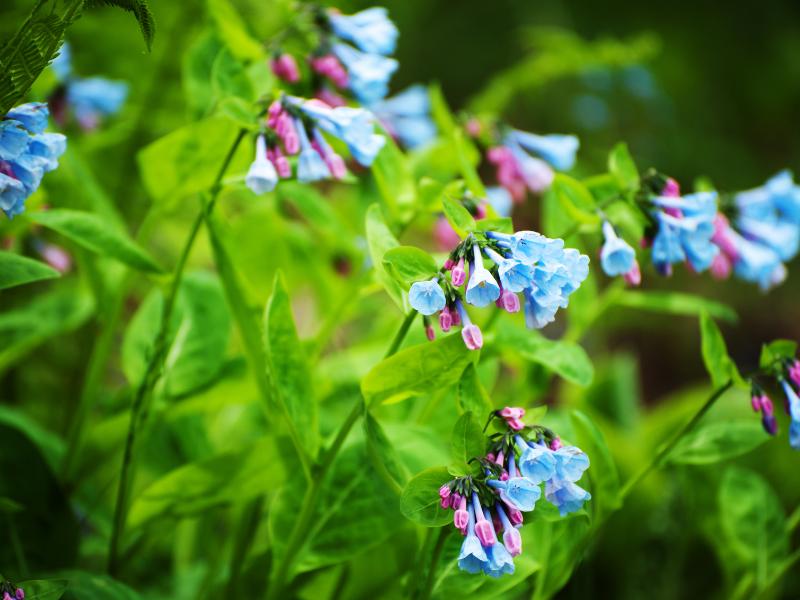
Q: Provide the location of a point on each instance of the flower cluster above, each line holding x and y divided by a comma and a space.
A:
11, 592
295, 126
406, 116
525, 161
26, 154
526, 263
787, 374
90, 99
519, 460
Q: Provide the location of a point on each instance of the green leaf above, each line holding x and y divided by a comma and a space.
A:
467, 159
229, 78
466, 442
382, 453
628, 220
458, 216
93, 233
603, 471
233, 31
393, 177
753, 524
566, 359
380, 240
675, 303
575, 199
715, 353
18, 270
198, 61
90, 586
420, 499
417, 370
44, 589
287, 359
499, 224
777, 351
717, 442
622, 167
409, 264
440, 112
187, 160
471, 395
139, 9
220, 481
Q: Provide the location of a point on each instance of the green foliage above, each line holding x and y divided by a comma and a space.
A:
44, 589
458, 216
140, 11
380, 240
675, 303
472, 397
467, 442
420, 499
575, 199
17, 270
409, 264
715, 354
716, 442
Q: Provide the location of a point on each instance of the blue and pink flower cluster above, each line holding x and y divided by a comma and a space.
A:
788, 377
489, 509
527, 263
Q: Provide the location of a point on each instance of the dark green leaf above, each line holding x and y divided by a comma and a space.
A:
603, 471
717, 442
466, 442
500, 224
471, 395
380, 240
409, 264
393, 177
675, 303
622, 167
575, 199
382, 453
229, 78
233, 31
467, 159
420, 500
43, 589
90, 586
715, 353
458, 216
777, 351
18, 270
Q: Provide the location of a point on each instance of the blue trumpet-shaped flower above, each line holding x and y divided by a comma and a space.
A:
617, 257
472, 557
427, 297
783, 237
368, 74
482, 289
566, 496
515, 275
557, 149
407, 116
518, 492
262, 176
32, 116
96, 97
794, 413
370, 30
13, 139
529, 246
500, 199
536, 173
310, 165
499, 560
571, 462
536, 461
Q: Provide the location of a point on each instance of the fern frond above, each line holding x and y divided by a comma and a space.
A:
139, 9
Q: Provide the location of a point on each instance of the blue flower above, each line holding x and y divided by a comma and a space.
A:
13, 139
12, 195
482, 289
370, 30
518, 492
688, 236
794, 413
536, 173
515, 275
538, 315
472, 556
62, 64
617, 257
557, 149
566, 496
427, 297
781, 236
407, 116
571, 462
500, 562
785, 195
95, 97
500, 200
536, 461
32, 116
667, 248
310, 165
368, 74
529, 246
354, 126
48, 147
755, 262
262, 176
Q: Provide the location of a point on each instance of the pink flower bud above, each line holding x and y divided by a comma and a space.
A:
461, 516
444, 491
20, 594
483, 529
282, 166
472, 337
555, 444
501, 458
458, 275
430, 333
512, 412
455, 501
633, 277
336, 165
514, 515
794, 373
285, 67
671, 188
480, 211
755, 402
515, 424
512, 541
56, 257
449, 264
330, 97
444, 234
508, 301
766, 406
444, 503
490, 457
721, 267
473, 127
445, 320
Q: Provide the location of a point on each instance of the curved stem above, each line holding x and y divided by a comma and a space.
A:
670, 445
153, 371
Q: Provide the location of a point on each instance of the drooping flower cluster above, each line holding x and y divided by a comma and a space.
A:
526, 263
406, 116
519, 460
26, 154
787, 374
296, 126
90, 99
524, 161
11, 592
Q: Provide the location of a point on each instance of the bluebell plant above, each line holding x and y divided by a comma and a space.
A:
785, 372
520, 463
526, 269
11, 592
27, 152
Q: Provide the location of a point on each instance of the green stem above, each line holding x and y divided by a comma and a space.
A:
153, 371
308, 507
670, 445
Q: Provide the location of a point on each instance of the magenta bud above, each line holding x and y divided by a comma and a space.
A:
472, 337
556, 444
291, 142
473, 127
458, 275
445, 320
449, 264
444, 503
480, 211
512, 412
508, 301
766, 405
461, 518
501, 458
721, 267
483, 529
444, 491
671, 188
514, 515
455, 501
515, 424
20, 594
755, 402
6, 596
770, 424
794, 373
336, 165
430, 333
283, 167
512, 541
504, 476
490, 457
633, 277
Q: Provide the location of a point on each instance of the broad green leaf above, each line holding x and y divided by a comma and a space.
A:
417, 370
198, 61
458, 216
628, 220
603, 471
48, 315
715, 353
287, 359
91, 586
94, 233
18, 270
471, 395
622, 167
675, 303
717, 442
380, 240
500, 224
420, 500
566, 359
187, 160
382, 453
466, 442
777, 351
558, 547
575, 199
466, 154
753, 524
409, 264
44, 589
239, 111
233, 31
223, 480
229, 78
430, 191
394, 179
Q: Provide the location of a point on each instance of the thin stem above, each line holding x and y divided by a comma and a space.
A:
153, 371
401, 334
670, 445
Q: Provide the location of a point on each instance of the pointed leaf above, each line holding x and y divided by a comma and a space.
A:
420, 499
18, 270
